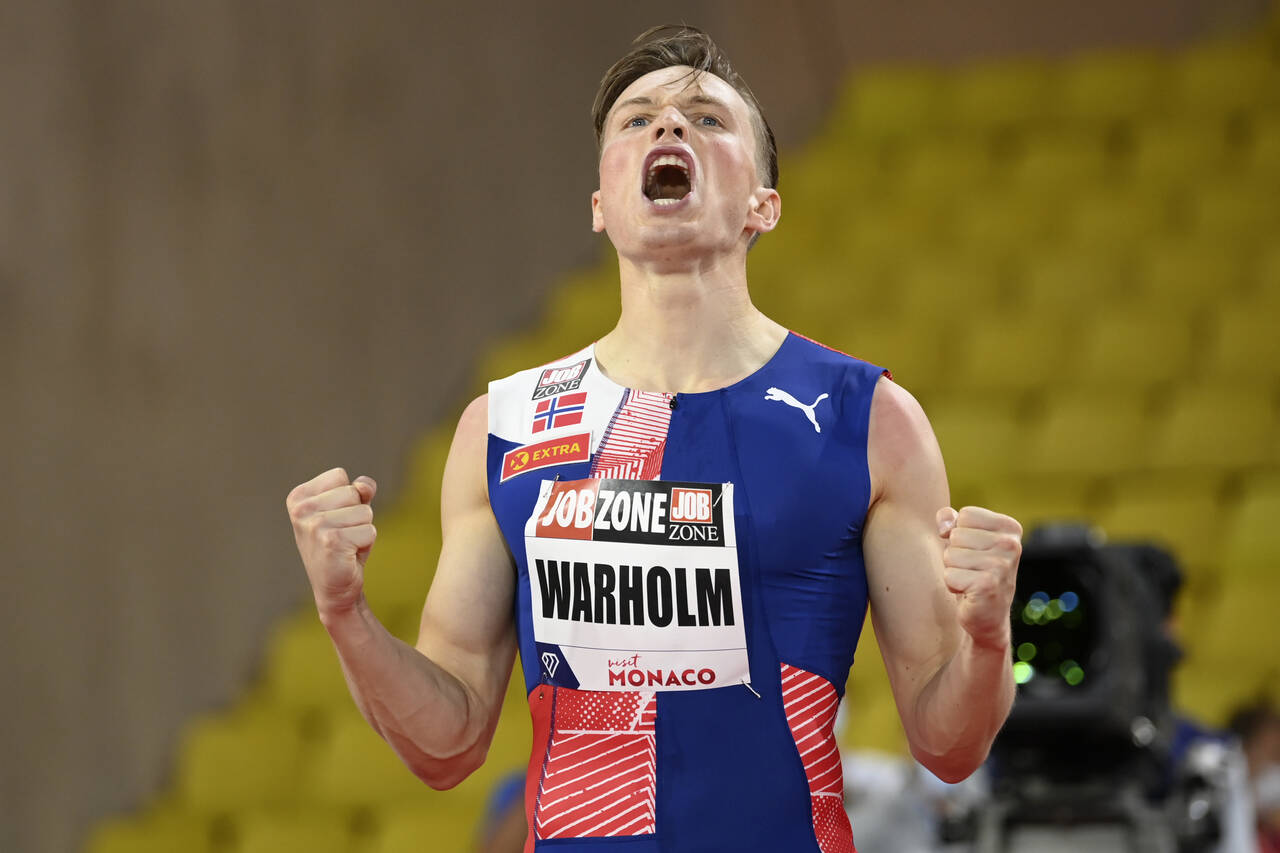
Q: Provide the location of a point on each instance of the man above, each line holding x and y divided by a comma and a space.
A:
680, 526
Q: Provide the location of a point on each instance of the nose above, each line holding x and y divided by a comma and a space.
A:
669, 124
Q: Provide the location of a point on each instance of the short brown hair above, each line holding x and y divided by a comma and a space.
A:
676, 44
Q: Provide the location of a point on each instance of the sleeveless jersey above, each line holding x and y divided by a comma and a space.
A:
690, 593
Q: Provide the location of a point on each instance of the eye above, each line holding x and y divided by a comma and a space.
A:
637, 121
709, 121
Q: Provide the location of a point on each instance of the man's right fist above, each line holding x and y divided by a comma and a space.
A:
333, 526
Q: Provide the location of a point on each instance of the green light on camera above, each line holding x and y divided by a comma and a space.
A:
1071, 672
1022, 672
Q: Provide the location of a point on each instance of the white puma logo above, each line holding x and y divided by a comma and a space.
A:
783, 396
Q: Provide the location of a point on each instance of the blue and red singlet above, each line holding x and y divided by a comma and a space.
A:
690, 593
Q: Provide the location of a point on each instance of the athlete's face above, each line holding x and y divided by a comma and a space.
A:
678, 168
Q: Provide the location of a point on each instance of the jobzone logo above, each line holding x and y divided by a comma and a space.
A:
643, 511
558, 380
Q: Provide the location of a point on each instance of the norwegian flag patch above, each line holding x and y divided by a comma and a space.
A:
561, 411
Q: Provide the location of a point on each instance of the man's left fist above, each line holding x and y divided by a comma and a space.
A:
980, 561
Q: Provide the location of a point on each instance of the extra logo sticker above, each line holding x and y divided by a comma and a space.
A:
555, 412
558, 380
553, 451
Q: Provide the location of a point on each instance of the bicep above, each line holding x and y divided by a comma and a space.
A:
467, 626
912, 610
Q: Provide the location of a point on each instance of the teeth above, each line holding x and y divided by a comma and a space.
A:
663, 202
668, 160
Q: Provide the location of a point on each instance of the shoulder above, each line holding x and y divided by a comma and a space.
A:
900, 441
471, 437
509, 396
473, 423
818, 352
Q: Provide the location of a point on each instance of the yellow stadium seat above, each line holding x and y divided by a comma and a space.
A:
1171, 153
1115, 85
1252, 548
892, 231
242, 760
518, 353
994, 96
1038, 501
1238, 213
1264, 154
168, 832
910, 349
1006, 355
1133, 349
870, 716
941, 168
358, 770
304, 831
1184, 515
1063, 282
1240, 632
302, 669
1266, 290
1109, 221
1219, 77
354, 768
1187, 276
1244, 344
979, 440
1212, 690
401, 565
832, 176
890, 102
1059, 162
420, 495
831, 304
948, 287
1007, 223
1092, 433
437, 824
1217, 427
514, 736
585, 306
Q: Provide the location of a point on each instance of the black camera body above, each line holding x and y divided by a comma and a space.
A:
1092, 659
1084, 760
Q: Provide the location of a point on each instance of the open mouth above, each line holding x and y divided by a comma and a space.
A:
667, 180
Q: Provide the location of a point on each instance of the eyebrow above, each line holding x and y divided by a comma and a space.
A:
700, 99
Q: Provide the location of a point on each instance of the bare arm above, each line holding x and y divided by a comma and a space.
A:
436, 704
941, 584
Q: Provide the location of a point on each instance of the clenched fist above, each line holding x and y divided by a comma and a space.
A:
981, 564
333, 526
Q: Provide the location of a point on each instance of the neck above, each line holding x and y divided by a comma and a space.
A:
689, 330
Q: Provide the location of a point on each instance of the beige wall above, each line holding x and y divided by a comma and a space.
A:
242, 242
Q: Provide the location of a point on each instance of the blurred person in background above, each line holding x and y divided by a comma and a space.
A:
770, 488
1258, 727
503, 828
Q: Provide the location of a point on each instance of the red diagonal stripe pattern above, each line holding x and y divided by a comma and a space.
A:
810, 702
635, 439
598, 778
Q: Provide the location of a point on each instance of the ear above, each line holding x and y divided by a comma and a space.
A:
766, 210
597, 214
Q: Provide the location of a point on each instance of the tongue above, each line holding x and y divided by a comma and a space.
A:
668, 182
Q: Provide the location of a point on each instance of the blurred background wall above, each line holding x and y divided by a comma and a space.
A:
241, 243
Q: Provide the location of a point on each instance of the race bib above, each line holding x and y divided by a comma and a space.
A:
635, 586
